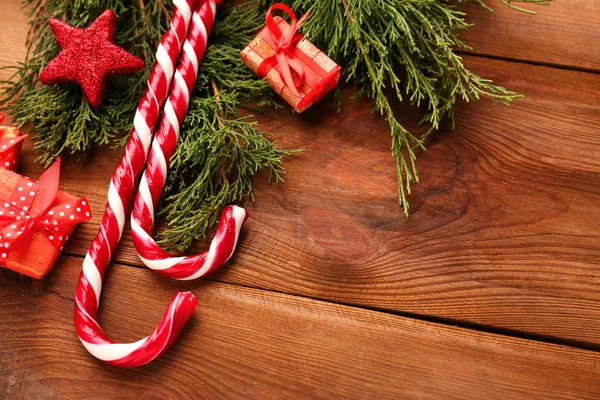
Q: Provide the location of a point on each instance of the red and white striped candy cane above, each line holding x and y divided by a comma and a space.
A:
120, 191
163, 147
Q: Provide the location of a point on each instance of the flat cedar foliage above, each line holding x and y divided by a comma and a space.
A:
403, 49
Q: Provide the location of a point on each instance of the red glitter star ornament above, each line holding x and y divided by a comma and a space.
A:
89, 56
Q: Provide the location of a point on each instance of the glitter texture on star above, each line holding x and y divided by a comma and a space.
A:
89, 56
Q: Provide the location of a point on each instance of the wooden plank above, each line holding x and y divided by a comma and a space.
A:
565, 33
247, 343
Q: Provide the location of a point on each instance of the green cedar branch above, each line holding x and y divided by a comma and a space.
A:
402, 49
59, 116
219, 149
389, 49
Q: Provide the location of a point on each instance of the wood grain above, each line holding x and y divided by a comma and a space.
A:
504, 228
504, 234
13, 31
566, 33
247, 343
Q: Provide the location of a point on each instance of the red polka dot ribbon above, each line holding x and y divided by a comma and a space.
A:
39, 207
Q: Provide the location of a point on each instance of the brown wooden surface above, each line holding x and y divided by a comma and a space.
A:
504, 237
245, 342
566, 34
495, 236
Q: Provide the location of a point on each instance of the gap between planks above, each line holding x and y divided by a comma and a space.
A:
536, 63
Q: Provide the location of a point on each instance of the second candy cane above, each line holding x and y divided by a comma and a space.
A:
163, 148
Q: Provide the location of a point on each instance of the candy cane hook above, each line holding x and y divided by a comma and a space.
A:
163, 147
120, 191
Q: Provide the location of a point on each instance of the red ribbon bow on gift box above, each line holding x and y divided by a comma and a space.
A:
284, 46
42, 216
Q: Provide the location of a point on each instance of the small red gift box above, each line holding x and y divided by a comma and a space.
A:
36, 220
10, 146
297, 70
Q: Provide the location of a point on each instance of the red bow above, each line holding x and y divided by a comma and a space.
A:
22, 221
284, 44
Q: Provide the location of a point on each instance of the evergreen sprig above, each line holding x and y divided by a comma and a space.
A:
389, 49
219, 150
402, 49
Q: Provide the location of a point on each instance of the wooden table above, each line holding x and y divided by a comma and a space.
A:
491, 289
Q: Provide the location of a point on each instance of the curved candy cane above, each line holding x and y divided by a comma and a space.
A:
120, 191
163, 147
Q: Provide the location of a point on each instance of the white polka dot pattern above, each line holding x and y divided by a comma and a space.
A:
22, 216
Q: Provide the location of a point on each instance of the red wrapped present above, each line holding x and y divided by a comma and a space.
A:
36, 220
10, 146
297, 70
